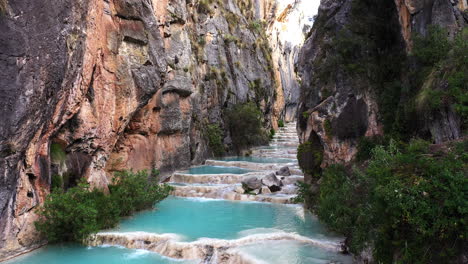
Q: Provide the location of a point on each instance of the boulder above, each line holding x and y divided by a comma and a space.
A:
265, 190
284, 171
239, 190
251, 183
272, 182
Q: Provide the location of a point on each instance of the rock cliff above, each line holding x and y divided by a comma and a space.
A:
91, 87
355, 70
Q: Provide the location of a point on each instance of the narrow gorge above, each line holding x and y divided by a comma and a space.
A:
263, 120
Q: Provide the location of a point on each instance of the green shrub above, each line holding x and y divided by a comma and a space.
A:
411, 206
328, 127
215, 139
366, 145
310, 156
57, 153
304, 194
272, 133
245, 125
136, 191
204, 7
433, 47
75, 214
56, 182
280, 123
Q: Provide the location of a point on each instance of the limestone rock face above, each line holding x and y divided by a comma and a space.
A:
119, 84
339, 101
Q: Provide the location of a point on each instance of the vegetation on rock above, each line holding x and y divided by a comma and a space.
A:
215, 139
245, 125
80, 211
409, 203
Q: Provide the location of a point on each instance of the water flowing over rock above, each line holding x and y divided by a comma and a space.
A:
261, 184
209, 250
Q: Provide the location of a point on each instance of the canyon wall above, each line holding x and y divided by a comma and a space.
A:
92, 87
354, 69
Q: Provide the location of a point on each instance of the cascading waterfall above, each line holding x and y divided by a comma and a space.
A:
211, 218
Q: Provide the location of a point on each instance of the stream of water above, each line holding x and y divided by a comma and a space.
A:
231, 228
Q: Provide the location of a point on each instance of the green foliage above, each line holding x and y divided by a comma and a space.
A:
136, 191
280, 123
310, 157
367, 144
304, 194
272, 133
57, 153
256, 26
245, 125
410, 205
328, 128
432, 48
204, 7
56, 182
260, 92
228, 38
79, 212
215, 139
443, 61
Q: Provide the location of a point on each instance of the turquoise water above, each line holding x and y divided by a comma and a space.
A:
216, 170
76, 254
292, 252
197, 218
258, 159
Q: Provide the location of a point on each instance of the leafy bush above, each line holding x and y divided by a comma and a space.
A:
433, 47
57, 154
136, 191
79, 212
310, 156
366, 145
272, 133
304, 194
410, 205
215, 139
245, 125
280, 123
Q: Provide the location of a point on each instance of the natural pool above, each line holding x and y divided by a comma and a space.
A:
258, 159
196, 218
193, 219
216, 170
77, 254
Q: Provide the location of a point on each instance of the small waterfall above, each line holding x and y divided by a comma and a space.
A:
264, 161
207, 249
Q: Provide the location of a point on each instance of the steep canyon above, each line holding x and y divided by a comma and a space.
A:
92, 87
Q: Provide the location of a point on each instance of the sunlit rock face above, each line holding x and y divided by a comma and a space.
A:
288, 27
120, 84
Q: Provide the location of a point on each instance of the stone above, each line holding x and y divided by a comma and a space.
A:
284, 171
251, 183
265, 190
239, 190
272, 182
